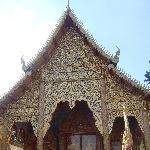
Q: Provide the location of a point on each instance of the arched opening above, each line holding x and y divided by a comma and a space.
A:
79, 130
137, 134
51, 139
22, 136
73, 129
116, 135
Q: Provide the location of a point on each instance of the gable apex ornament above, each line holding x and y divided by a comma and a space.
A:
68, 5
27, 69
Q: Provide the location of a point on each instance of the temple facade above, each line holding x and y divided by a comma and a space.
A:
72, 98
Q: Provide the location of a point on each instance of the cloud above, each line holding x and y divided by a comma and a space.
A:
20, 34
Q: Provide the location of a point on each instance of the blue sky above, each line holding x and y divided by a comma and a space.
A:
25, 26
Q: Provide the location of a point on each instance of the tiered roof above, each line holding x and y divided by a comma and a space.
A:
34, 62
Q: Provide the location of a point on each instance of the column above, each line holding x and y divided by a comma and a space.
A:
3, 135
146, 129
41, 117
104, 115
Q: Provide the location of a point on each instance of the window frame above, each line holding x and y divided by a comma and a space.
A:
81, 135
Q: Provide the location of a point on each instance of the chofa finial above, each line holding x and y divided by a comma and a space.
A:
116, 57
68, 3
25, 68
113, 63
23, 63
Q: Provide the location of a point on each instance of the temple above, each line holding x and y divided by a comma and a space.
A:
72, 96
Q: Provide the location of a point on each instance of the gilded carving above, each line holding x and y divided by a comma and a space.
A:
73, 74
25, 109
117, 96
86, 90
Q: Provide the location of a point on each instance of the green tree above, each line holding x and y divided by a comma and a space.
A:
147, 76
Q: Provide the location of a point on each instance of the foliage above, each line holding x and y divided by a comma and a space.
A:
147, 76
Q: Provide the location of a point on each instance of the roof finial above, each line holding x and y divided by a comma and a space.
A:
68, 5
25, 68
116, 57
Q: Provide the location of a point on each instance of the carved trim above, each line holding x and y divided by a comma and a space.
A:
71, 92
137, 114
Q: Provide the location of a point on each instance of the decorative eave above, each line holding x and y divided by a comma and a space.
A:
84, 31
134, 82
15, 91
32, 64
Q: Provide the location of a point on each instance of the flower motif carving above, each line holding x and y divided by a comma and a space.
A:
74, 72
25, 109
117, 97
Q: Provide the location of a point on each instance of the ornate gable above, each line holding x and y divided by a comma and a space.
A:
68, 20
73, 73
71, 66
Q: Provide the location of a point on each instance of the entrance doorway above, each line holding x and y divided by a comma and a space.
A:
116, 135
73, 129
22, 137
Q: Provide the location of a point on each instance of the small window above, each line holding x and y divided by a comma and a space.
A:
81, 142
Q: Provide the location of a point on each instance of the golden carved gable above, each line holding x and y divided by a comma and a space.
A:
72, 70
73, 73
119, 95
25, 109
